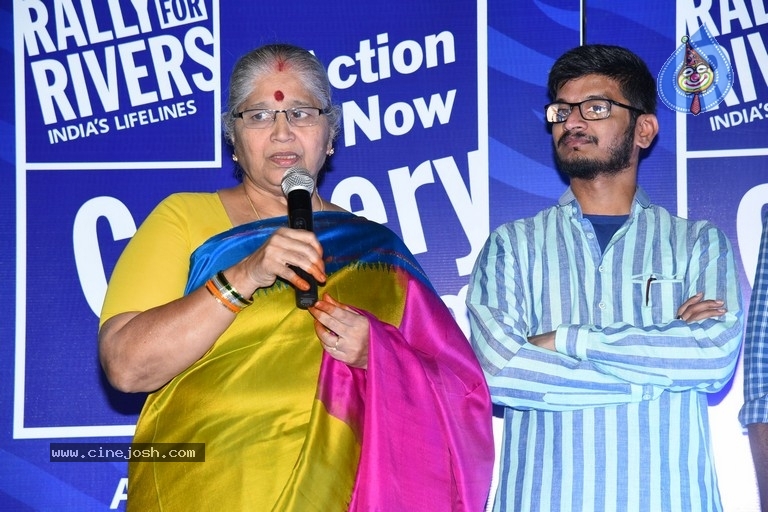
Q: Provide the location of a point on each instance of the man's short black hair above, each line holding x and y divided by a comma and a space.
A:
627, 69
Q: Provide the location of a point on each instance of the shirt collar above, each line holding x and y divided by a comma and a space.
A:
569, 199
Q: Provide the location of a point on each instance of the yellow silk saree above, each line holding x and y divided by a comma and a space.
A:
288, 428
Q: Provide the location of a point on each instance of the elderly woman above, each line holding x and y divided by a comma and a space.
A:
369, 399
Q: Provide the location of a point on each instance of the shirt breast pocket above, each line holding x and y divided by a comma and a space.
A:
658, 295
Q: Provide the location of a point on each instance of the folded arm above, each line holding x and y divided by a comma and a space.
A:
578, 365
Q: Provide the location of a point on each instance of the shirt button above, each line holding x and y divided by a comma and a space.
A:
590, 236
601, 305
601, 268
647, 396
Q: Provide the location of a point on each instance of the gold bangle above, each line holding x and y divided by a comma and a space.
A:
228, 291
214, 291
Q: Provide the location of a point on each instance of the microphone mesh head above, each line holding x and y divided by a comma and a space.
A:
296, 178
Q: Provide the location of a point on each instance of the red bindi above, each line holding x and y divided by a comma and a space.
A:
279, 95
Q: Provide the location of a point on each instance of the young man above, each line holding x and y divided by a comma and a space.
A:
603, 322
754, 414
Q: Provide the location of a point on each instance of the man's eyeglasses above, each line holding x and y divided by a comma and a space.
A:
264, 118
591, 110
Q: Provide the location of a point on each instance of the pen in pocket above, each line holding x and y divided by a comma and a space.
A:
648, 289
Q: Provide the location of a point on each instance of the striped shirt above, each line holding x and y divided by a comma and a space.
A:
616, 419
755, 408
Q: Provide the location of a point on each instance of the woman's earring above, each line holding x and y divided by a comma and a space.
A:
234, 157
330, 152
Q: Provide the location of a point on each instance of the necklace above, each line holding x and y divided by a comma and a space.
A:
258, 217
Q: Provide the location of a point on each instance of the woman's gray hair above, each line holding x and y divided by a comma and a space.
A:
266, 60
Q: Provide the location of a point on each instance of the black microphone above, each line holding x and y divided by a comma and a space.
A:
298, 186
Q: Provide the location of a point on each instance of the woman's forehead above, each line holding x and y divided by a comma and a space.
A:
283, 88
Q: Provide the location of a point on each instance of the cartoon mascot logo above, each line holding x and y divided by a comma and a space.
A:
697, 76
